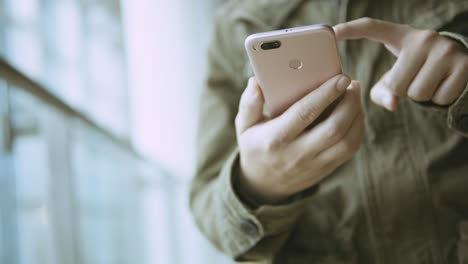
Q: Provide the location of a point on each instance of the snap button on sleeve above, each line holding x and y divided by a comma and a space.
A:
249, 228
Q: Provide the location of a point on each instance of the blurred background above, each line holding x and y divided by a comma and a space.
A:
98, 108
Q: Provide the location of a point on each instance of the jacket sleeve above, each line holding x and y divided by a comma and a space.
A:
232, 226
457, 114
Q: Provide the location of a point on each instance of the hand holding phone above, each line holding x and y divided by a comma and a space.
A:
278, 155
290, 63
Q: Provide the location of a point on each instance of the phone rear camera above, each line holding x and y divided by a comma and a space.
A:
271, 45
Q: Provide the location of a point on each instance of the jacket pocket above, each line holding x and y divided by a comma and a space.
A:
463, 243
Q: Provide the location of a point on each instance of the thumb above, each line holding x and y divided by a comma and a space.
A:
383, 96
250, 107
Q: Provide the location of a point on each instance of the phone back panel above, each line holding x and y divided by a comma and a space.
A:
307, 57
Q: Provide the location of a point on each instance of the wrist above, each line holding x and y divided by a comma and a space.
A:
253, 194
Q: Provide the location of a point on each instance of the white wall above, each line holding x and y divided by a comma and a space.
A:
165, 75
167, 42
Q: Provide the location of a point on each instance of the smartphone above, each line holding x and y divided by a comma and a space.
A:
290, 63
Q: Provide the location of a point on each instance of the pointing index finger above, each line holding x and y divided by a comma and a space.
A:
387, 33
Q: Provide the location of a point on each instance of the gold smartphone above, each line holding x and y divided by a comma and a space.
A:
290, 63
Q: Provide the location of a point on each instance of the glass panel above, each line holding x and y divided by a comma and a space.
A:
23, 46
64, 43
107, 189
65, 30
2, 226
106, 67
95, 202
31, 170
23, 11
2, 26
171, 233
157, 207
7, 198
21, 35
74, 48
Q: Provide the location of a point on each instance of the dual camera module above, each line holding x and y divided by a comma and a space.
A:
271, 45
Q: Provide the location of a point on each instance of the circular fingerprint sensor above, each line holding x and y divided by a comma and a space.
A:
295, 64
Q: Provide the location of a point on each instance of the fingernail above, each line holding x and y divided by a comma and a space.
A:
254, 95
253, 89
354, 85
343, 83
389, 103
250, 81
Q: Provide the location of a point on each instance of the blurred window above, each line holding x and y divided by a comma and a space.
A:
108, 199
69, 192
8, 228
75, 48
31, 168
77, 194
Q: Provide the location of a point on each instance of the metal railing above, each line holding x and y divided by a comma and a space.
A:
14, 77
11, 81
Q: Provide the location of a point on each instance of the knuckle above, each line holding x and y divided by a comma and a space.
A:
369, 22
308, 114
418, 94
423, 39
428, 35
324, 163
441, 100
348, 148
335, 131
449, 48
394, 87
273, 143
391, 84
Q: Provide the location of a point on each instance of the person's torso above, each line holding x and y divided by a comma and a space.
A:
404, 195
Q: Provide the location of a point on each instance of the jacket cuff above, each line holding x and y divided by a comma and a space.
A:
457, 37
458, 111
245, 227
458, 114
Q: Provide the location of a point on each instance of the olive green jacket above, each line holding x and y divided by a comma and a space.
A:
403, 198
